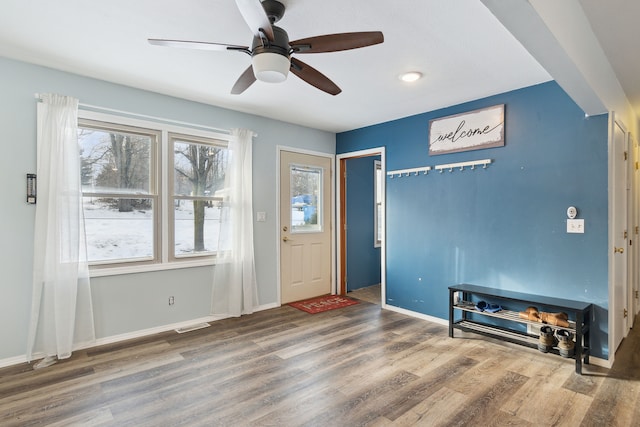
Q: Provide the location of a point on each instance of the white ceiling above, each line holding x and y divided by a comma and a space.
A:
462, 49
615, 24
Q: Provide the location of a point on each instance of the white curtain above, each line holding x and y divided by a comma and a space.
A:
61, 310
235, 290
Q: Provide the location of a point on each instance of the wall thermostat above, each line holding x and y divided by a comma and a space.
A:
572, 212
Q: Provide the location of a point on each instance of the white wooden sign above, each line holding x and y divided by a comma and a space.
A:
473, 130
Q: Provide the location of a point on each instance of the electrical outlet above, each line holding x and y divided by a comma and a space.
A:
171, 300
575, 226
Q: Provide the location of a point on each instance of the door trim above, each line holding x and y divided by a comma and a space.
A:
615, 306
279, 150
340, 234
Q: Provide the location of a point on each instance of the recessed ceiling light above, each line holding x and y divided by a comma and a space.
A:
411, 76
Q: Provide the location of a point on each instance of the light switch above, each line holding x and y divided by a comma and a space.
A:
261, 216
575, 226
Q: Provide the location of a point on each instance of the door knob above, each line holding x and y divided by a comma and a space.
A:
618, 250
285, 239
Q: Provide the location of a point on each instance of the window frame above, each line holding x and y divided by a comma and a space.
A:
378, 177
320, 220
164, 127
152, 193
172, 197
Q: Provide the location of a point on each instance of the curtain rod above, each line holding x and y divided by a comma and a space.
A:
98, 109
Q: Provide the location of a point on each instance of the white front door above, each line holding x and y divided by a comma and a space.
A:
305, 226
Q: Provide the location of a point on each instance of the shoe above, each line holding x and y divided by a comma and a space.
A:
566, 345
555, 319
481, 305
530, 315
492, 308
546, 341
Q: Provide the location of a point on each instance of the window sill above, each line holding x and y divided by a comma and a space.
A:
145, 268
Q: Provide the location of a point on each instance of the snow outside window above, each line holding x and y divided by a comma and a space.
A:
120, 191
130, 218
198, 177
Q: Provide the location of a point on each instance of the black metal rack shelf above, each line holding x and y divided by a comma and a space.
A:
579, 313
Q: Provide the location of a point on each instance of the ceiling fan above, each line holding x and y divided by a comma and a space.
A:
271, 51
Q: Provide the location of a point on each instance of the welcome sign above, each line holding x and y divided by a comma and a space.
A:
474, 130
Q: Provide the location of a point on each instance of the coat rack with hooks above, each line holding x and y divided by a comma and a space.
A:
461, 165
406, 172
441, 168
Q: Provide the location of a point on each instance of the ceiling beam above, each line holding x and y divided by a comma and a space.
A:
559, 36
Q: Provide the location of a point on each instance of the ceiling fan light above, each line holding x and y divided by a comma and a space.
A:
271, 67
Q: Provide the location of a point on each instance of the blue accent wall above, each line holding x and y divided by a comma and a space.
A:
363, 259
504, 226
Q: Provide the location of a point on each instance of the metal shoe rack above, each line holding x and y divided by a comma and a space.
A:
501, 324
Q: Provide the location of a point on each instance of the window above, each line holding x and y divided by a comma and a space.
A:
134, 216
306, 203
119, 190
199, 169
377, 214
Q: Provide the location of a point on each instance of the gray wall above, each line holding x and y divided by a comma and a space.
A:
123, 304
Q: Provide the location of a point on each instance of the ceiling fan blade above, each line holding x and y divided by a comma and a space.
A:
255, 17
337, 42
197, 45
244, 81
313, 77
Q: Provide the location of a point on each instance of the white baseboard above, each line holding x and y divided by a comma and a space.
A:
151, 331
131, 335
600, 362
10, 361
422, 316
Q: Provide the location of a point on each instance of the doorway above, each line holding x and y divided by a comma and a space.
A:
361, 231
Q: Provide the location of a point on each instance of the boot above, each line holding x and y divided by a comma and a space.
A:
531, 313
555, 319
546, 341
566, 345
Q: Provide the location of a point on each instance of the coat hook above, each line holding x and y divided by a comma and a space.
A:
473, 167
461, 168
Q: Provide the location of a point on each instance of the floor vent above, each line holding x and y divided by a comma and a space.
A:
192, 328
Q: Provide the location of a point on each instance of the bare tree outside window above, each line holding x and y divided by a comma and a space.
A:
118, 191
199, 173
130, 216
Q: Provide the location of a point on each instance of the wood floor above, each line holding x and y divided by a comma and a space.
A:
354, 366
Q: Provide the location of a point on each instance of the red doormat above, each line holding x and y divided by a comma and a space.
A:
323, 303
